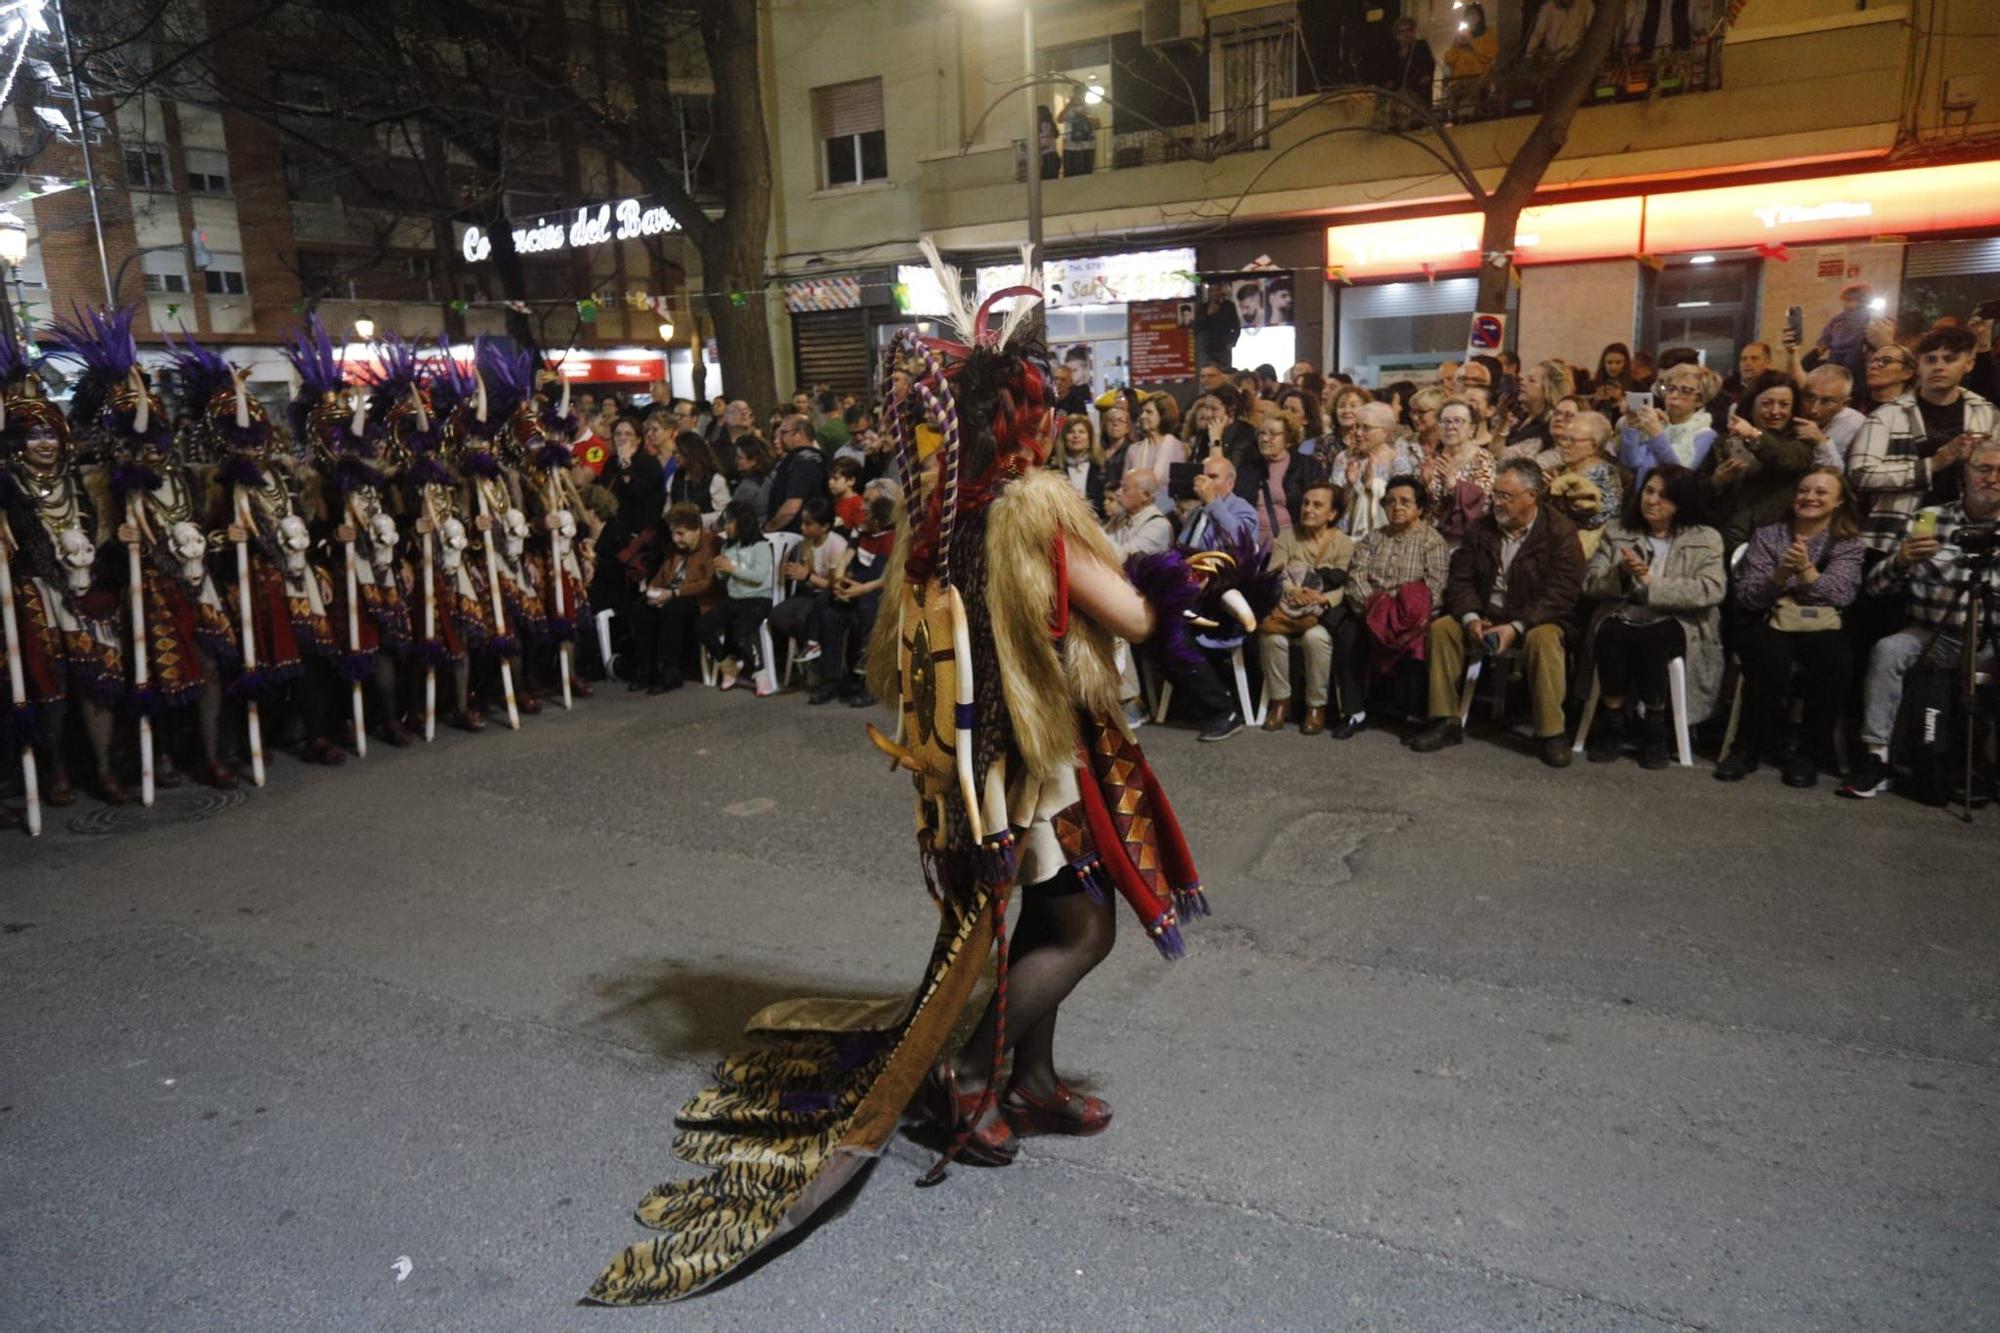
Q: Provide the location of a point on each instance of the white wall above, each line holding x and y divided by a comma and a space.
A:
1573, 310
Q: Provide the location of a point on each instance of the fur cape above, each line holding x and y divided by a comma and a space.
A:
1044, 686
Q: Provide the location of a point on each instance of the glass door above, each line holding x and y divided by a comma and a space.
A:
1711, 307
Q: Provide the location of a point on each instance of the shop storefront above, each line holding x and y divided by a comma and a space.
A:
1709, 268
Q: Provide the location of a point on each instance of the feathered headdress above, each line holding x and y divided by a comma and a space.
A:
223, 409
109, 396
320, 377
399, 400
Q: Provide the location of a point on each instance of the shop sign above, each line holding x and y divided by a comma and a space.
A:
1160, 338
594, 224
1547, 234
836, 293
1263, 299
635, 366
1143, 275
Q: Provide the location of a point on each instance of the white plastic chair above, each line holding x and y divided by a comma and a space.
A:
1677, 688
782, 545
1473, 670
1162, 689
603, 619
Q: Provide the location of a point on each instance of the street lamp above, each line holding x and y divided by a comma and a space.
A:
364, 328
666, 330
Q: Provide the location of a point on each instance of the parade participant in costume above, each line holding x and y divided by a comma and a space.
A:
358, 531
65, 618
260, 502
448, 616
490, 493
158, 512
996, 638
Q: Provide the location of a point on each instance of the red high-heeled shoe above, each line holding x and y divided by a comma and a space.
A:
990, 1144
1066, 1112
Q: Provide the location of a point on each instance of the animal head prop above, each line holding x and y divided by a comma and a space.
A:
985, 393
112, 405
451, 545
509, 377
335, 432
190, 549
382, 539
514, 532
77, 553
228, 421
294, 540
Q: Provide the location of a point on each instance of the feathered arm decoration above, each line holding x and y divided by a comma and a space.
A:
1173, 589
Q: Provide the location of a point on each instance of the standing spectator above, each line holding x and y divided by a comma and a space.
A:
1930, 570
1614, 367
1363, 471
677, 594
1116, 445
1472, 52
1415, 65
1395, 583
729, 632
1795, 578
1749, 479
1047, 142
1512, 585
1459, 476
1891, 370
753, 474
1843, 341
1071, 397
1078, 456
800, 475
1907, 454
1079, 138
1830, 424
1302, 410
1659, 580
1752, 363
1682, 433
657, 435
1559, 28
843, 486
1274, 479
1543, 385
1158, 448
1217, 326
1313, 556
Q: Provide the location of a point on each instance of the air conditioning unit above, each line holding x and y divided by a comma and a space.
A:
1166, 22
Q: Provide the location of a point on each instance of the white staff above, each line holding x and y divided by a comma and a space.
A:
135, 517
493, 578
555, 556
248, 525
358, 426
430, 583
17, 680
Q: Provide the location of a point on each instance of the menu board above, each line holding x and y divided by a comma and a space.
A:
1161, 338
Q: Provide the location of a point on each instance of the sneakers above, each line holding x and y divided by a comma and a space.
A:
1223, 727
1869, 778
809, 653
1445, 731
1136, 715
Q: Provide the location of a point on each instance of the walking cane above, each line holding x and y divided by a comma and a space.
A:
556, 581
354, 641
18, 681
244, 521
136, 573
499, 605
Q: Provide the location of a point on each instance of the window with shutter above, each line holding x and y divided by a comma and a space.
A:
854, 146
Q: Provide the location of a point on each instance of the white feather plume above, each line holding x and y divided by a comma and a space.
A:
1031, 276
957, 311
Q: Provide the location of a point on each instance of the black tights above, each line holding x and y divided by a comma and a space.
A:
1634, 658
1060, 937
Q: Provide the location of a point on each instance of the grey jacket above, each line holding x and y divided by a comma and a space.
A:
1690, 588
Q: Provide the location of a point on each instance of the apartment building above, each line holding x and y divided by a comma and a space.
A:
1716, 176
230, 225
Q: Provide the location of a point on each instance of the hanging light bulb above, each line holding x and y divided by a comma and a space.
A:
666, 331
364, 328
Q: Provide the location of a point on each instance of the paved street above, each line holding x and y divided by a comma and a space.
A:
1469, 1044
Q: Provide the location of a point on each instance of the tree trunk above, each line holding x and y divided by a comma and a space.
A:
732, 246
1531, 160
742, 332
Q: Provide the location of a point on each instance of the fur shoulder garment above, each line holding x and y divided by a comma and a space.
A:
1044, 685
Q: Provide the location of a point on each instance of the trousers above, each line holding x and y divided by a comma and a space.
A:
730, 630
1275, 651
1632, 659
1888, 663
1541, 650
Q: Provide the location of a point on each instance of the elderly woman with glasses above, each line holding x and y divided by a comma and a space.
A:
1682, 434
1458, 475
1363, 470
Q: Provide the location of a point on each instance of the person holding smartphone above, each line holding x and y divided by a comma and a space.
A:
1907, 454
1748, 476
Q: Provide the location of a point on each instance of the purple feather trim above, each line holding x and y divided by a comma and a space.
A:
243, 439
999, 861
354, 667
142, 700
248, 687
480, 462
433, 652
222, 647
311, 354
428, 471
1190, 901
99, 340
503, 645
130, 478
560, 628
351, 474
1166, 935
241, 471
555, 424
552, 457
853, 1050
1171, 588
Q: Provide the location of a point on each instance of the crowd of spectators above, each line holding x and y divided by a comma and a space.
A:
1777, 542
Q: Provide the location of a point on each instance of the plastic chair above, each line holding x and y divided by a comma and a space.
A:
1677, 690
782, 545
1473, 670
603, 619
1162, 690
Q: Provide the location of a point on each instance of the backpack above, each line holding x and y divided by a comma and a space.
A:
1928, 748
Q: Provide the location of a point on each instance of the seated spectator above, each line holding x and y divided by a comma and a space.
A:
1343, 415
1116, 446
1566, 409
1908, 452
1748, 477
1213, 425
1512, 585
848, 613
753, 475
692, 477
1459, 476
1682, 433
1274, 478
1480, 399
843, 486
1659, 580
1931, 572
1543, 385
1588, 488
729, 631
1425, 404
1136, 525
1301, 408
1219, 522
1363, 471
1830, 423
1313, 556
673, 601
1395, 584
1078, 456
808, 573
1795, 578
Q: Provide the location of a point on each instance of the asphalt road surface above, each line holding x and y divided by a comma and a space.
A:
1469, 1044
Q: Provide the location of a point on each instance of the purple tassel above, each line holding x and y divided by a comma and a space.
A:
130, 478
1089, 871
432, 652
354, 667
143, 701
1191, 902
480, 462
503, 645
552, 456
999, 861
561, 628
1166, 936
238, 470
243, 439
248, 687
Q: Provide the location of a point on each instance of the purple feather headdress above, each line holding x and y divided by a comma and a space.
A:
509, 376
311, 353
14, 362
205, 377
100, 343
451, 384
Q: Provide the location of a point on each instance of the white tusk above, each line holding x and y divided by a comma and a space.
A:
562, 410
242, 404
142, 418
1234, 600
1200, 622
480, 400
359, 426
423, 413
